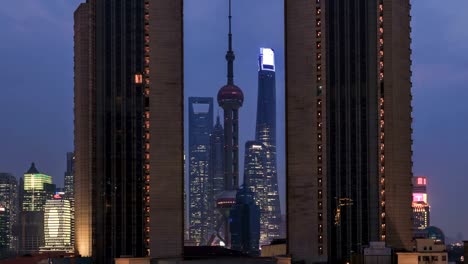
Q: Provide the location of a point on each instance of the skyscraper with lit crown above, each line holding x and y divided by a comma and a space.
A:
265, 133
421, 208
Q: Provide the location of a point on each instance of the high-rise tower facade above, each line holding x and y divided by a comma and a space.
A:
348, 92
265, 133
111, 109
200, 127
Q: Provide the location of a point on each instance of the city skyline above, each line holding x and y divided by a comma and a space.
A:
425, 154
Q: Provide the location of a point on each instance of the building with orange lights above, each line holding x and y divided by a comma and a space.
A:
421, 208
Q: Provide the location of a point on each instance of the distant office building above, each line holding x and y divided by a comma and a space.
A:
216, 175
245, 223
265, 133
421, 207
200, 127
38, 188
255, 180
57, 225
69, 190
9, 211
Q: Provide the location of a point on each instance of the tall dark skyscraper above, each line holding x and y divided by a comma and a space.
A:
111, 143
200, 127
265, 133
348, 89
216, 173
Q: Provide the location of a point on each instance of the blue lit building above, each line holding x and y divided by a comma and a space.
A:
266, 134
200, 128
245, 223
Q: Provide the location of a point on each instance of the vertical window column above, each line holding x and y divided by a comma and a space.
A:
146, 92
381, 112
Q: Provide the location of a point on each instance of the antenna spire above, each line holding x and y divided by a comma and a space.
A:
230, 57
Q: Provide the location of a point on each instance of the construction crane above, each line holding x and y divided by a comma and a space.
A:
341, 202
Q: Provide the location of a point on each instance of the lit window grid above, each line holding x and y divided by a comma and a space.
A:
380, 53
57, 223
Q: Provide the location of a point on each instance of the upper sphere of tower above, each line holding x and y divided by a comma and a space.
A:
230, 93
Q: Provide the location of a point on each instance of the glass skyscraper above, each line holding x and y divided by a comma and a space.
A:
255, 180
69, 190
8, 211
200, 128
38, 188
265, 133
216, 175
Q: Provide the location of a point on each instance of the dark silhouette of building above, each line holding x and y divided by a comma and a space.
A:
265, 133
245, 223
200, 127
348, 112
111, 121
216, 174
255, 179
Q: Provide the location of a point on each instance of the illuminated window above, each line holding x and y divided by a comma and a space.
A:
319, 182
320, 195
320, 216
319, 170
320, 205
138, 78
318, 11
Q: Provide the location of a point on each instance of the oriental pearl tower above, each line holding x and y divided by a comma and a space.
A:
230, 98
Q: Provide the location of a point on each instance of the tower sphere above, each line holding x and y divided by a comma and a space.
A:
230, 94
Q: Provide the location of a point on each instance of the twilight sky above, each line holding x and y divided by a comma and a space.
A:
36, 90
